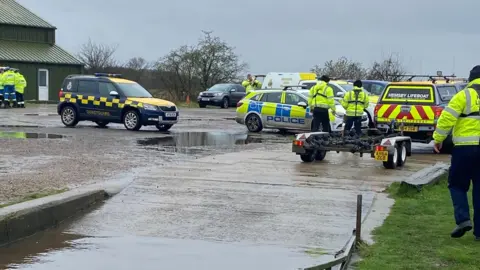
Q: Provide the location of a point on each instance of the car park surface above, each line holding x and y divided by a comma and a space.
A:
206, 194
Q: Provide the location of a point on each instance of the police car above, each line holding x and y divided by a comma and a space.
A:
108, 98
283, 109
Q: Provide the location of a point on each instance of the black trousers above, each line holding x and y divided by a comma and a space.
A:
353, 121
321, 116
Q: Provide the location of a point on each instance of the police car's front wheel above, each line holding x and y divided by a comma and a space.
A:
131, 120
253, 123
69, 116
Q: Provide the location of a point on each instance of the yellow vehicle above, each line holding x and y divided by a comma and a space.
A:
417, 105
107, 98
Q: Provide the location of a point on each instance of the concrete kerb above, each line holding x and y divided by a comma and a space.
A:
27, 218
427, 176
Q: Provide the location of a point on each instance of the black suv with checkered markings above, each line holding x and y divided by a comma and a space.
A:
108, 98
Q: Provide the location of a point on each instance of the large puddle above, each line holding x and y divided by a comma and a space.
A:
28, 135
192, 139
196, 142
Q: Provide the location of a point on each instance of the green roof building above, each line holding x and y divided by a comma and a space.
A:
27, 42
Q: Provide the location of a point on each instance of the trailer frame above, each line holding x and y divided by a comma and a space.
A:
390, 148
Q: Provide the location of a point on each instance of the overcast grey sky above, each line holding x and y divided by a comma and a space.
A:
279, 35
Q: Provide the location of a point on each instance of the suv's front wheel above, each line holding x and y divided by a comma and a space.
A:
69, 116
131, 120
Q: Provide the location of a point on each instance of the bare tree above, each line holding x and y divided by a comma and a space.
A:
178, 69
191, 69
97, 57
389, 69
217, 61
138, 63
342, 68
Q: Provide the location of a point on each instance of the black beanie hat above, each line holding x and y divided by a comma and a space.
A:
357, 83
325, 78
474, 73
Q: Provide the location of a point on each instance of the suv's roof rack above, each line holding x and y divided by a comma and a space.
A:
432, 78
290, 87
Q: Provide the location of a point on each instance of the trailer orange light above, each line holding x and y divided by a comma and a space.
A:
298, 143
380, 148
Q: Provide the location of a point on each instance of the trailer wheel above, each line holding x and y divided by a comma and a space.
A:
392, 161
320, 155
402, 154
308, 157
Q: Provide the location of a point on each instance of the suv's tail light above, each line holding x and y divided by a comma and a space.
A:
377, 107
240, 103
60, 93
437, 110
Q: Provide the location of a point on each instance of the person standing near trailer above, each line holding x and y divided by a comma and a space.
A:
355, 102
320, 100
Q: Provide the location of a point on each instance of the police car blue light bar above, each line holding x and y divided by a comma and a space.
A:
108, 75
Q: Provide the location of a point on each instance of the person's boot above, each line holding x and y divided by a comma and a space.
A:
461, 229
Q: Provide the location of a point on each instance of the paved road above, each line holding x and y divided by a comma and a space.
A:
253, 206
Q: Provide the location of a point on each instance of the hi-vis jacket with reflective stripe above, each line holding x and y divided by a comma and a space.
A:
462, 114
321, 95
355, 101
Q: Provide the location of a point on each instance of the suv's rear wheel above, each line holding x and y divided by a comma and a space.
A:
131, 120
69, 116
225, 103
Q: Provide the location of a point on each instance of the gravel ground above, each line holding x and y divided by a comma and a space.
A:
88, 155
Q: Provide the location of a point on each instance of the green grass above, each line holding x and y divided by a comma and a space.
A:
416, 234
34, 196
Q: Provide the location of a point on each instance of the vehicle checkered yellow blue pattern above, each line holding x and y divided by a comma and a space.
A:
99, 101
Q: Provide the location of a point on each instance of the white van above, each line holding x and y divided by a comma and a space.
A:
277, 80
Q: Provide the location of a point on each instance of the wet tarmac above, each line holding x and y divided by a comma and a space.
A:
208, 195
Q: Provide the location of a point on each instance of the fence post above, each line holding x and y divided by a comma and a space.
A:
358, 227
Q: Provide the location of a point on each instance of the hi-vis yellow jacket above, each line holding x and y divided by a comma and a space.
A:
321, 95
20, 83
355, 101
8, 78
250, 86
463, 116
